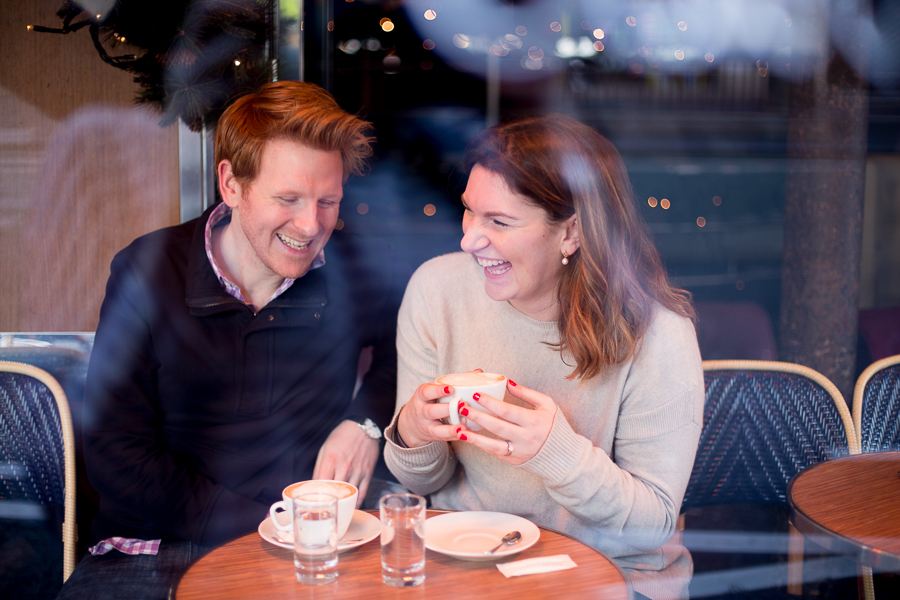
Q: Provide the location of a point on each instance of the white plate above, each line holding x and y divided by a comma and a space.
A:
469, 535
364, 527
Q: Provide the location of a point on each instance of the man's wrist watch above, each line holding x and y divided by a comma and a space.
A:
369, 428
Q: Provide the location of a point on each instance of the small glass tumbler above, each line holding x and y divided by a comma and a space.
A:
402, 540
315, 538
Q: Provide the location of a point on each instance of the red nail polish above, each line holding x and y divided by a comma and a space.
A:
458, 429
463, 437
446, 389
476, 396
512, 383
464, 412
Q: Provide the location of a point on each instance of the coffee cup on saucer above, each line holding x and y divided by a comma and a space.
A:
345, 493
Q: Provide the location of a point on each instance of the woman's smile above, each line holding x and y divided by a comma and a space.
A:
493, 267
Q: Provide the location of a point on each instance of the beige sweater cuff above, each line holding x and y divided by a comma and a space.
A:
563, 451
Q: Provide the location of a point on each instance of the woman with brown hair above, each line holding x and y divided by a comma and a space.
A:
560, 289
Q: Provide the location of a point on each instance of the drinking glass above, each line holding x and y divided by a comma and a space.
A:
402, 539
315, 537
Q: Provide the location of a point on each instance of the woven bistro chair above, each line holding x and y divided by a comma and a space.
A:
876, 415
38, 446
69, 367
876, 406
764, 422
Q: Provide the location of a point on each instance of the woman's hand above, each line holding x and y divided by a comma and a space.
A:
420, 422
521, 431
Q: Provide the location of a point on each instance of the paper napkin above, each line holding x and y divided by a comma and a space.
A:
542, 564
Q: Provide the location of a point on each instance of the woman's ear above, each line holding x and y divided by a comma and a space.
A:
572, 240
229, 186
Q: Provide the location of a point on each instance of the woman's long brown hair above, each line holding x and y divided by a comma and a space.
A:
608, 289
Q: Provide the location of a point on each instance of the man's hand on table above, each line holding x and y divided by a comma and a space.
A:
348, 455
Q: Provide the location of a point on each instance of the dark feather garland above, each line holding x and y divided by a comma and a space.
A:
193, 56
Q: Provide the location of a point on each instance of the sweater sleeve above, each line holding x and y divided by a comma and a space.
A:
634, 496
126, 456
428, 468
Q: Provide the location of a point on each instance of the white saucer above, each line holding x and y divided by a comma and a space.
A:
364, 527
469, 535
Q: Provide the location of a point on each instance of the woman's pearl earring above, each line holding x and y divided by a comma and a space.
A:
565, 259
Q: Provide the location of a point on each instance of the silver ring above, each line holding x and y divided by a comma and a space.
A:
509, 448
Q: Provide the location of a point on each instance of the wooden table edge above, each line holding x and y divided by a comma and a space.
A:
829, 539
432, 512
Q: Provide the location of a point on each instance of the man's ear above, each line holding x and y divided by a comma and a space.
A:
572, 240
229, 186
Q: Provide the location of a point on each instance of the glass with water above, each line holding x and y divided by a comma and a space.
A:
402, 540
315, 538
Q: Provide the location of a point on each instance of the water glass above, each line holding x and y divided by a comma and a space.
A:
402, 540
315, 537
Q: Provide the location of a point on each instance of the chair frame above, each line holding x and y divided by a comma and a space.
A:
860, 389
69, 526
795, 538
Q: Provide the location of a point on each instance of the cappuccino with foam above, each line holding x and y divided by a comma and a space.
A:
471, 378
338, 489
345, 493
466, 385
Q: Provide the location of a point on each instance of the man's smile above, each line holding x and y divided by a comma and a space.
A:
292, 243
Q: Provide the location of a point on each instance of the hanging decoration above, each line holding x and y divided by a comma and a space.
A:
190, 57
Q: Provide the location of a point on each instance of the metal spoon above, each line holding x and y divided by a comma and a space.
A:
509, 539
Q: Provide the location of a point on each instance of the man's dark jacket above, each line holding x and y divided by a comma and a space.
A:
198, 411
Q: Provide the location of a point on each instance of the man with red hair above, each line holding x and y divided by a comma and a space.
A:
225, 362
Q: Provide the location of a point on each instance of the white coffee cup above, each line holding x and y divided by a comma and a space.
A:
345, 493
465, 385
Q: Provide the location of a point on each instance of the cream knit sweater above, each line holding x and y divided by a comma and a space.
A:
616, 463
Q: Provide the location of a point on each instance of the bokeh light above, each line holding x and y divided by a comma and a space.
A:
362, 208
665, 203
387, 24
701, 222
555, 26
679, 54
429, 210
717, 200
520, 30
682, 25
430, 14
500, 49
599, 33
460, 40
652, 202
631, 21
428, 45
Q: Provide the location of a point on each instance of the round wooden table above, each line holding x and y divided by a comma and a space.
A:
851, 506
250, 567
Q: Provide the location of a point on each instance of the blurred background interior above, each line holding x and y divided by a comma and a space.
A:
762, 138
